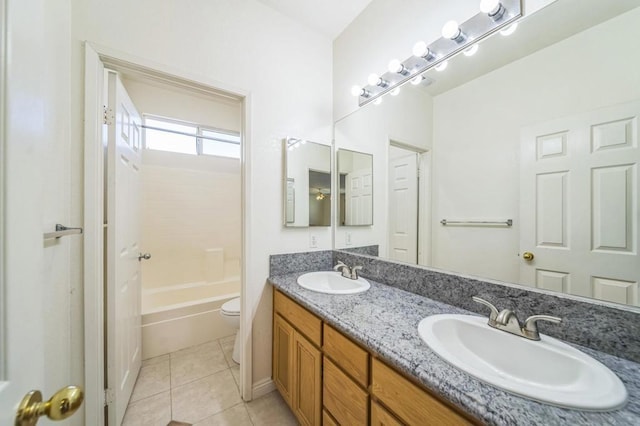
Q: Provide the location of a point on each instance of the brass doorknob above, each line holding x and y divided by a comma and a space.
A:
528, 256
62, 404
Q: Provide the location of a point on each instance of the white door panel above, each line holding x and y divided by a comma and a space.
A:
579, 208
123, 236
36, 301
403, 208
358, 197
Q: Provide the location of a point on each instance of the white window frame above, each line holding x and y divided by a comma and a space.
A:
200, 128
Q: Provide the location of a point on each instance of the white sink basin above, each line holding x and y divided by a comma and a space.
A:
332, 282
547, 370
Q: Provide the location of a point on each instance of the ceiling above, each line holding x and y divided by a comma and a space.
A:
328, 17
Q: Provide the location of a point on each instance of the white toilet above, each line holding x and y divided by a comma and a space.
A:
230, 312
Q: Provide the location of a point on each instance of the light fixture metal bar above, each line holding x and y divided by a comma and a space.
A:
476, 28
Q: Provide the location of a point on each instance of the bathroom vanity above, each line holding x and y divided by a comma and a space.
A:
323, 374
358, 359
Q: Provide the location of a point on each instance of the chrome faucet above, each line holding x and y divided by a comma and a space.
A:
506, 320
351, 273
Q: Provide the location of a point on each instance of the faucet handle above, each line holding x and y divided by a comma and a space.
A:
494, 311
339, 265
530, 328
354, 272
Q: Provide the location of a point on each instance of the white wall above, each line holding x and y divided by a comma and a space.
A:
151, 97
477, 126
242, 43
404, 118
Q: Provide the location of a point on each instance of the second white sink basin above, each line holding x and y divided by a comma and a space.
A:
332, 283
547, 370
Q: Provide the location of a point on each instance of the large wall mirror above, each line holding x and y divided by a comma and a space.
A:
355, 183
307, 183
530, 146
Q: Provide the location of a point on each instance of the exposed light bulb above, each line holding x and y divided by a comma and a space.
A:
378, 101
373, 79
303, 141
471, 50
510, 29
395, 66
417, 80
441, 66
421, 50
490, 7
452, 31
395, 91
357, 91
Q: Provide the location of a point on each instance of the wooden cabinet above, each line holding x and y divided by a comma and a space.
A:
381, 417
328, 379
297, 362
307, 384
413, 405
283, 357
347, 402
347, 355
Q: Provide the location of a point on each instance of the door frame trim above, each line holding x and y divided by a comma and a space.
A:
3, 112
94, 345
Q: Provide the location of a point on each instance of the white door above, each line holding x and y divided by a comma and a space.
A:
403, 208
359, 197
123, 248
36, 302
580, 187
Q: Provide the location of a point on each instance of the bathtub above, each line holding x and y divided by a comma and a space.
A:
179, 316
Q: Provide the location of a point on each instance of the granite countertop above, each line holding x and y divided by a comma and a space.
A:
385, 320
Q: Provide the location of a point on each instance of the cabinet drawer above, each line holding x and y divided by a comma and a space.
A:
349, 356
342, 397
308, 324
413, 405
381, 417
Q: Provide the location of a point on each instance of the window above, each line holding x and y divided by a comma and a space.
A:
177, 136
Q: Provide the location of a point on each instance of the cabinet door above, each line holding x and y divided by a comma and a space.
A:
307, 361
283, 337
381, 417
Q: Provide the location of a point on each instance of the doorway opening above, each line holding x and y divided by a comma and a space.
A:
409, 201
191, 222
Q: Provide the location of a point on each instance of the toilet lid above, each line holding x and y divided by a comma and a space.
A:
232, 307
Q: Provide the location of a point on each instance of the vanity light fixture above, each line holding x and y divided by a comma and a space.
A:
375, 80
493, 16
493, 8
417, 80
359, 91
378, 101
320, 195
394, 92
421, 50
510, 29
471, 51
452, 31
397, 67
441, 66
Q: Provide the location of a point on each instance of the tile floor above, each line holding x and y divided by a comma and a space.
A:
199, 386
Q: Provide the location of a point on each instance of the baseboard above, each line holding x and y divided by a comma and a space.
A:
263, 387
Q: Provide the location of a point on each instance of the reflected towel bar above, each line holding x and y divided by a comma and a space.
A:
508, 222
61, 231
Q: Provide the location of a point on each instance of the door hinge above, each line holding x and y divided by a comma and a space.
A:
108, 115
108, 396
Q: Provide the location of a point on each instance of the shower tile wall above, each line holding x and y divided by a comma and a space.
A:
190, 218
